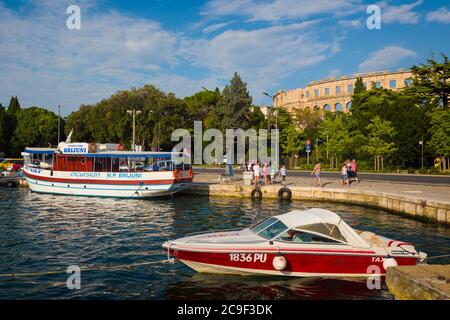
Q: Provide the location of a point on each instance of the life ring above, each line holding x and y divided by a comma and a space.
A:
256, 194
92, 147
120, 147
279, 262
284, 194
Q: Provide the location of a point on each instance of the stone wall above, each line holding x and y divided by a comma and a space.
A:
412, 207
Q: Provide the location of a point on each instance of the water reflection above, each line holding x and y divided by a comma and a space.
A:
211, 286
44, 232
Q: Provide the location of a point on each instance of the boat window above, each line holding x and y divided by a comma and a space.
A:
274, 230
303, 237
263, 224
326, 229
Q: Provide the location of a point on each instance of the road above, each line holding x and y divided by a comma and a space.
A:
391, 177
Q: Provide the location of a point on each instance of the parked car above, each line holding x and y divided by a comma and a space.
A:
11, 164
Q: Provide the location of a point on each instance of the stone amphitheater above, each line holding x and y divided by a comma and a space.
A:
335, 94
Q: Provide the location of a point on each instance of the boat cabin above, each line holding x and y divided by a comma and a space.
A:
309, 226
83, 157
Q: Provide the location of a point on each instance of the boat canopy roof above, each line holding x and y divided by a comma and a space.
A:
322, 222
133, 154
108, 154
40, 150
297, 218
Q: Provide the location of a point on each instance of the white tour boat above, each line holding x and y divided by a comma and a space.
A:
104, 170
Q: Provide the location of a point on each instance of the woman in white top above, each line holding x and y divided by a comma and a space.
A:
256, 172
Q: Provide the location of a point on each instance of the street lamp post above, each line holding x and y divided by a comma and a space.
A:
134, 112
59, 124
157, 137
421, 143
274, 105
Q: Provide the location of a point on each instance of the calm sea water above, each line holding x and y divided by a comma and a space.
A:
40, 233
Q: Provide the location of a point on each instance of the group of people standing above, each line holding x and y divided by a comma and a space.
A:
267, 171
349, 171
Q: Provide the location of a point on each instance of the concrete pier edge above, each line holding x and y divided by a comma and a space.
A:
421, 282
419, 209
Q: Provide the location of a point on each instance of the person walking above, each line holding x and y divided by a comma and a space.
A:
283, 175
354, 169
316, 172
344, 174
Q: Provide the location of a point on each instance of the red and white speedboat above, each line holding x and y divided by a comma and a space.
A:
314, 242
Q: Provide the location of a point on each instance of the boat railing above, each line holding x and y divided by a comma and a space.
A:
214, 231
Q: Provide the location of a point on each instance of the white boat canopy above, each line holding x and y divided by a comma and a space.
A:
322, 222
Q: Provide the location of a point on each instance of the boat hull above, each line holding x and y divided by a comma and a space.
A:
299, 264
144, 185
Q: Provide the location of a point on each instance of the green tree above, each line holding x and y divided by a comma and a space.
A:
3, 130
409, 118
308, 120
359, 86
379, 143
257, 120
335, 128
292, 141
108, 120
14, 105
440, 134
202, 104
36, 127
235, 104
431, 81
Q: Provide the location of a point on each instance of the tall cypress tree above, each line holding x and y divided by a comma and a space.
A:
11, 122
3, 130
359, 86
14, 105
235, 104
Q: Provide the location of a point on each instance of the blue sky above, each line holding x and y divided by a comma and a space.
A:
182, 46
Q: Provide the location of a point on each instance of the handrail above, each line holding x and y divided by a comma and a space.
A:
214, 231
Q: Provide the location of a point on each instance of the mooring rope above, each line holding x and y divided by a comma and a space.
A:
91, 268
443, 256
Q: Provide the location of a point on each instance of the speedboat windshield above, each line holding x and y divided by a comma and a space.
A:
269, 228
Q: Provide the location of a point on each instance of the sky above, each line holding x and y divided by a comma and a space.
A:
182, 46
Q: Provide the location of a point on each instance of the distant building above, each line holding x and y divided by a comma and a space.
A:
335, 94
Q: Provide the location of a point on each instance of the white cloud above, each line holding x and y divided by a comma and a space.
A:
334, 73
400, 14
386, 58
52, 65
441, 15
356, 23
217, 26
262, 56
277, 9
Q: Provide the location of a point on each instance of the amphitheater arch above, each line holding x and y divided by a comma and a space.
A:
316, 107
348, 106
338, 106
327, 107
